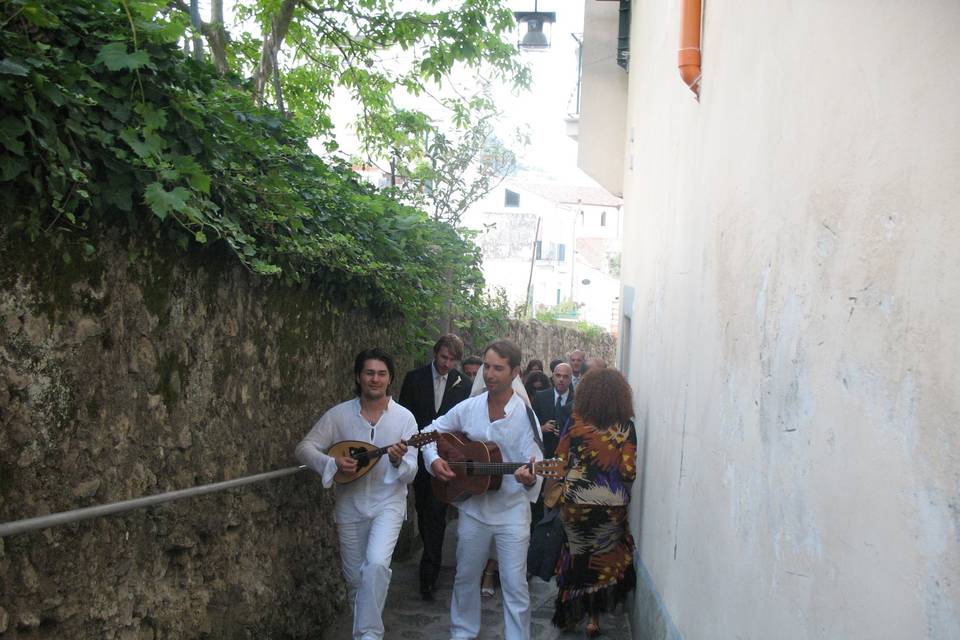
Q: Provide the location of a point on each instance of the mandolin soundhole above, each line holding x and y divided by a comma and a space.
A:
360, 455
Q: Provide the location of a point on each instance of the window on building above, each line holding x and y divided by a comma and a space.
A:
561, 252
539, 249
603, 218
558, 296
511, 198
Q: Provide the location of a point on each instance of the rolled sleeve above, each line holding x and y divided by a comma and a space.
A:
311, 451
404, 472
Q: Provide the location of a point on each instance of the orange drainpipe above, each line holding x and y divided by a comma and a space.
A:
689, 54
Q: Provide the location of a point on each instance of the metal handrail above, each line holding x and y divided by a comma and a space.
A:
75, 515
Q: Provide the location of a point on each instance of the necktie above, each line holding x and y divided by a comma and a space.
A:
438, 386
559, 406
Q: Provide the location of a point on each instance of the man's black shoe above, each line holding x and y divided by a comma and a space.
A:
426, 595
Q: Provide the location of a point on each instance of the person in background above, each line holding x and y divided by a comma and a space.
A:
554, 363
470, 366
594, 363
553, 407
595, 571
370, 510
429, 392
534, 382
577, 364
533, 365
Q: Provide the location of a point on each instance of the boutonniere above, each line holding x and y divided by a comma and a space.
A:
456, 382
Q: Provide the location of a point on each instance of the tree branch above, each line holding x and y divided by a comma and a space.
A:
271, 46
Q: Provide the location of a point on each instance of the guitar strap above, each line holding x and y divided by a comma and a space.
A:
533, 427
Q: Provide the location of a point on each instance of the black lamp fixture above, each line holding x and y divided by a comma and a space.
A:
535, 37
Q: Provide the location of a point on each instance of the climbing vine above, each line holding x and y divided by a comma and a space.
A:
105, 122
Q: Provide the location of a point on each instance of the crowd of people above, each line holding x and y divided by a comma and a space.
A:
577, 415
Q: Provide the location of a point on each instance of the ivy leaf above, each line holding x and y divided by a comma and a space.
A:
152, 118
144, 148
162, 202
114, 57
10, 168
12, 128
11, 68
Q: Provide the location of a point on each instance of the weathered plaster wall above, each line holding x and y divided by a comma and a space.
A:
145, 371
794, 353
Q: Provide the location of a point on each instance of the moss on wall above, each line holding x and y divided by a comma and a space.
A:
142, 369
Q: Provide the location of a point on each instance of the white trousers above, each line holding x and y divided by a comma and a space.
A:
473, 547
366, 548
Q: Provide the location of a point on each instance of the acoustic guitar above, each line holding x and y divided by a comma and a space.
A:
367, 455
479, 467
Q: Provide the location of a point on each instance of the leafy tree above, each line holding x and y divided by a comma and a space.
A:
458, 167
380, 52
105, 122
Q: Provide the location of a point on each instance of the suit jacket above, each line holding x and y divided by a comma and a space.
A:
416, 394
545, 406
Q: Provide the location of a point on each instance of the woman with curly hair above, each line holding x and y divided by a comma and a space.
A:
595, 571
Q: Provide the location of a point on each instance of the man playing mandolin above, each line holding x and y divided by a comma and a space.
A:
346, 444
500, 418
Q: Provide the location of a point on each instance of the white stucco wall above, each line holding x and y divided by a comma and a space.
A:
602, 91
793, 245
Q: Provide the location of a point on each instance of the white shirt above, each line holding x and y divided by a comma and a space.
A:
561, 396
510, 504
384, 486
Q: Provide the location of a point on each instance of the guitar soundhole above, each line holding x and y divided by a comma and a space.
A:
360, 455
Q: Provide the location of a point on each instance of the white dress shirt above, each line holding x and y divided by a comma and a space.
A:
510, 503
384, 486
560, 396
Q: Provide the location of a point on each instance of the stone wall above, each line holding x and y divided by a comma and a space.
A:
547, 342
146, 370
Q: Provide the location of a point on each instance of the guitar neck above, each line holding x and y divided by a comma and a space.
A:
490, 468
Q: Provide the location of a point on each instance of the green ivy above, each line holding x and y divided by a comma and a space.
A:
104, 121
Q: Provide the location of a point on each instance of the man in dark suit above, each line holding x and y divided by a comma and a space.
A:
429, 392
554, 407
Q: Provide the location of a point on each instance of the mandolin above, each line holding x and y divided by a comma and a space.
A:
368, 455
479, 467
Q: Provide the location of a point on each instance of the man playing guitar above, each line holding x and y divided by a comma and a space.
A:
498, 416
369, 509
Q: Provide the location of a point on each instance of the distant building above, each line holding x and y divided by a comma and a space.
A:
554, 242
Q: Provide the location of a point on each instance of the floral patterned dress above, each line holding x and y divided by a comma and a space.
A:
595, 571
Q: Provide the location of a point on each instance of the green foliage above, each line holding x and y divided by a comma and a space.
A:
459, 167
105, 121
567, 309
566, 314
386, 55
588, 330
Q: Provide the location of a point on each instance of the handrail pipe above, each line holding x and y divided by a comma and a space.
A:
74, 515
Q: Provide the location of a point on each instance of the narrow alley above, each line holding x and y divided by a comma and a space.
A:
406, 616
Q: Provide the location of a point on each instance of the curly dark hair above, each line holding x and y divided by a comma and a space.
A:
452, 342
603, 398
371, 354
